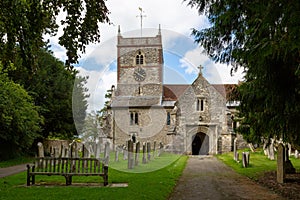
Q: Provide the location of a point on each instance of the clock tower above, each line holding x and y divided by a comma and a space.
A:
140, 66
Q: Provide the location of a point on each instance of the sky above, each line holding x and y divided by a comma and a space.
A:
182, 56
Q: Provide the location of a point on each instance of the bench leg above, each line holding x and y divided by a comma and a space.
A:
28, 176
68, 180
105, 177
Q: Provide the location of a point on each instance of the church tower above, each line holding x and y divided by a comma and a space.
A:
140, 66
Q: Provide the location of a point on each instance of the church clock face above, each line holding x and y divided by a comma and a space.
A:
139, 74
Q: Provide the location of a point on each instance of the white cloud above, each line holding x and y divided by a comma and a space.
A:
98, 83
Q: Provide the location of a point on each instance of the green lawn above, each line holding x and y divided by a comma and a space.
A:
151, 185
15, 161
259, 163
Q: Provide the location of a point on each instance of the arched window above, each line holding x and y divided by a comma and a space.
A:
139, 59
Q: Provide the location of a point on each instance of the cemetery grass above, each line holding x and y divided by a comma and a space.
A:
259, 164
151, 185
16, 161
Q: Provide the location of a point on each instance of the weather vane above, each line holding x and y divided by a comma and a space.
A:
141, 17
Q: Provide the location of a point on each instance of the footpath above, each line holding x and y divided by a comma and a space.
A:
7, 171
205, 177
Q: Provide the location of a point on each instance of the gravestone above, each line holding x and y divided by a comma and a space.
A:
98, 150
271, 154
125, 153
281, 164
148, 151
245, 159
234, 149
296, 154
137, 153
40, 149
161, 148
106, 152
144, 153
117, 154
130, 154
154, 149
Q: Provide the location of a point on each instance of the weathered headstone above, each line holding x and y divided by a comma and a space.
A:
161, 148
296, 154
117, 154
106, 152
154, 149
98, 150
281, 164
40, 149
125, 153
271, 154
245, 159
130, 154
148, 151
137, 153
234, 149
144, 153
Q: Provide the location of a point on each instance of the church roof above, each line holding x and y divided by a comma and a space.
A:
172, 92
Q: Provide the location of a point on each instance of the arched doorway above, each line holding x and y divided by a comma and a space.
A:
200, 144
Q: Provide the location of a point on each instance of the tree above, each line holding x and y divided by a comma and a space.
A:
61, 95
23, 24
262, 37
19, 119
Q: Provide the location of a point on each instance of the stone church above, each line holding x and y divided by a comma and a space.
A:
192, 119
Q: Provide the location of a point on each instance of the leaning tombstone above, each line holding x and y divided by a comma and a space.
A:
244, 160
280, 164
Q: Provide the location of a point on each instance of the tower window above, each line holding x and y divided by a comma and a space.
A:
139, 59
200, 104
134, 118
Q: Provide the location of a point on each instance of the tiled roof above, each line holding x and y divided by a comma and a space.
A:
173, 92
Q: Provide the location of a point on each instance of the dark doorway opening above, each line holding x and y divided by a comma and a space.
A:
200, 144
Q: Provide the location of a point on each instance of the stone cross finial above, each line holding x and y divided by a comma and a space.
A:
200, 69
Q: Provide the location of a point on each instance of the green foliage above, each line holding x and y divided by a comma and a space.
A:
262, 37
23, 24
157, 185
19, 119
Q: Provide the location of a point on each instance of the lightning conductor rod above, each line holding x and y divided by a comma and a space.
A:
141, 17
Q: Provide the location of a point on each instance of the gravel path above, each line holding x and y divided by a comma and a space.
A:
7, 171
208, 178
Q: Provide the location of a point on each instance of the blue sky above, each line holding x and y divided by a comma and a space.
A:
181, 55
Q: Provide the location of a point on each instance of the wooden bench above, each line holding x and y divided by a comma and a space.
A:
68, 167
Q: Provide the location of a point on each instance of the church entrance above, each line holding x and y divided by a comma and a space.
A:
200, 144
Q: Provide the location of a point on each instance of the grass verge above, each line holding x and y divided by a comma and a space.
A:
259, 164
151, 185
15, 161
